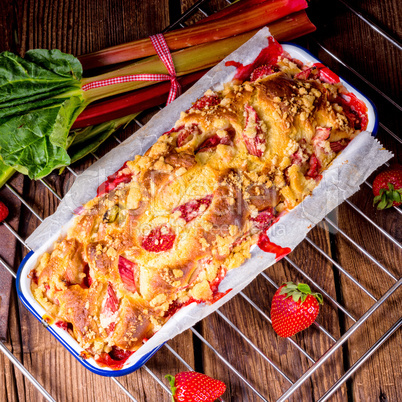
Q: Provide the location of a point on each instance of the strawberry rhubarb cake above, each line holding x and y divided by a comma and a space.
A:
164, 230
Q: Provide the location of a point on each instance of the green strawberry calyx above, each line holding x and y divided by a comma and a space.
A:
299, 292
387, 197
172, 382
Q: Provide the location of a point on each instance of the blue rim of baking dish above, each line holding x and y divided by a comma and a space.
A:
90, 367
145, 358
376, 123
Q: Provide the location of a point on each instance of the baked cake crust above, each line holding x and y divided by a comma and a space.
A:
190, 209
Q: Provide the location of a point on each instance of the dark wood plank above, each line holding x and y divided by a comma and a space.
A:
7, 26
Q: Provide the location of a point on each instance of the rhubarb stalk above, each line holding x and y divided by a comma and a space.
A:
287, 28
250, 19
186, 61
131, 102
194, 58
5, 173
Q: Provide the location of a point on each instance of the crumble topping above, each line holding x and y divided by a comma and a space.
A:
192, 207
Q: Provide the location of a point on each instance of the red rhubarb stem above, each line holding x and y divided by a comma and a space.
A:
251, 18
287, 28
132, 102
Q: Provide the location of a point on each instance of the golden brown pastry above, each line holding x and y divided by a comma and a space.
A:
166, 227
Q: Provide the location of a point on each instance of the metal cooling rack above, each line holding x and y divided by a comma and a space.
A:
315, 364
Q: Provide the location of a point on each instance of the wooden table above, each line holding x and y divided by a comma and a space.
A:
80, 27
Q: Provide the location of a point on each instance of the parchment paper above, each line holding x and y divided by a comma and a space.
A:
343, 178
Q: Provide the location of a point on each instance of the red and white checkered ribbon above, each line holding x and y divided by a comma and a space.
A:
162, 50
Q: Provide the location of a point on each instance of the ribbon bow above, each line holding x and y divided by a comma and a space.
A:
162, 50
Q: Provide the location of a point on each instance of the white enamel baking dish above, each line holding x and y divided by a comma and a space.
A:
29, 262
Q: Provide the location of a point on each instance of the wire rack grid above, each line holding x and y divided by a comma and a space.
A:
335, 344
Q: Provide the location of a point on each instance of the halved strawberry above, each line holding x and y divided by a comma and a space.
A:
263, 71
212, 142
318, 70
194, 208
127, 270
253, 135
159, 239
206, 101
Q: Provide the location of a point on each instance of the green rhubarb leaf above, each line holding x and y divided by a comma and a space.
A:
33, 102
40, 97
35, 143
63, 64
23, 78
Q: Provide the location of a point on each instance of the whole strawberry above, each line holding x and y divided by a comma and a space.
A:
189, 386
294, 308
3, 212
387, 188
